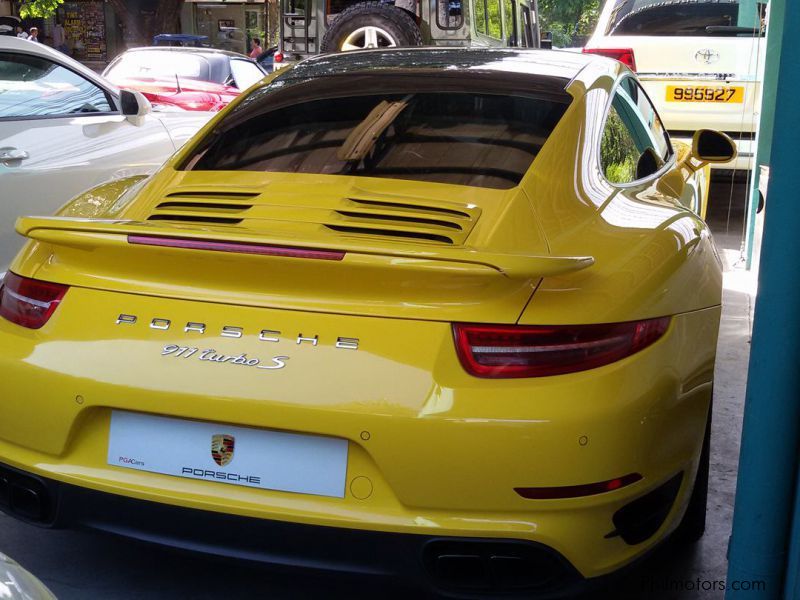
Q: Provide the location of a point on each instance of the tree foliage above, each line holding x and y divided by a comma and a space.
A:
568, 19
38, 8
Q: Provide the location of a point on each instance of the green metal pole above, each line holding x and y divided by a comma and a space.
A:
748, 13
774, 44
766, 487
792, 590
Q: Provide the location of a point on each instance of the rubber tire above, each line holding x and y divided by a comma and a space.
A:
693, 524
395, 21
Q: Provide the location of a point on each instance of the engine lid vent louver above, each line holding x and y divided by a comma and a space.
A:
412, 220
414, 207
400, 219
413, 235
421, 221
222, 208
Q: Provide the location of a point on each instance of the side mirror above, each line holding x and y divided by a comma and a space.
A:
710, 146
134, 105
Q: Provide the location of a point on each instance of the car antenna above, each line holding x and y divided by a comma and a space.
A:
178, 83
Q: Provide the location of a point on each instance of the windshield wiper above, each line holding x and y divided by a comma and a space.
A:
364, 136
732, 29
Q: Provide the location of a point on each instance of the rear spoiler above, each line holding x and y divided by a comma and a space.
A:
98, 233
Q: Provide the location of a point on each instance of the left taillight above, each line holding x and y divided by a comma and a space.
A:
623, 55
509, 351
29, 302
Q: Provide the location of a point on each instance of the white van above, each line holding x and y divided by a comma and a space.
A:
697, 59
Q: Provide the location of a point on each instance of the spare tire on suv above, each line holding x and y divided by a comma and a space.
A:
371, 25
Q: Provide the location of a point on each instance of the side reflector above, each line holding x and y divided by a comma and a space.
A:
577, 491
29, 302
623, 55
507, 351
235, 247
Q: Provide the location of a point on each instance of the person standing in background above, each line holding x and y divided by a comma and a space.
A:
33, 35
255, 48
60, 38
21, 33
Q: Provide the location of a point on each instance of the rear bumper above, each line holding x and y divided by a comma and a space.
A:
460, 565
432, 451
438, 455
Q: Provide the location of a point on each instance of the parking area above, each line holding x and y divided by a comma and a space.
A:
78, 565
399, 299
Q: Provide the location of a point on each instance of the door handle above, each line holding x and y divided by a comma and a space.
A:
8, 154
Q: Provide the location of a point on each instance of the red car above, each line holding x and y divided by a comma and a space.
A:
187, 78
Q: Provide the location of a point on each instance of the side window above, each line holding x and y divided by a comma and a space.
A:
479, 16
527, 27
487, 18
35, 87
649, 115
245, 73
510, 21
618, 153
449, 14
634, 143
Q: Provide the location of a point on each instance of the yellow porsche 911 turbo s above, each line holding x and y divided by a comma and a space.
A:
446, 316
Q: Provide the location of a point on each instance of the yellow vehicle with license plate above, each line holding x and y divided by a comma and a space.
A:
442, 315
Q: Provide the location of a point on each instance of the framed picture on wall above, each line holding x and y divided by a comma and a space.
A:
226, 24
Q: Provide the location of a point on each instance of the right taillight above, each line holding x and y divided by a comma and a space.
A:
623, 55
507, 351
29, 302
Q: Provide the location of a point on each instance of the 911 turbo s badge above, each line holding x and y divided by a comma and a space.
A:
222, 447
211, 355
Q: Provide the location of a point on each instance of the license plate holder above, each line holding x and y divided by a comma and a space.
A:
244, 456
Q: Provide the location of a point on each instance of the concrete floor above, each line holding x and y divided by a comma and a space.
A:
77, 565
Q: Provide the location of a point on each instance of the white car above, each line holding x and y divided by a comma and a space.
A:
18, 584
64, 129
697, 60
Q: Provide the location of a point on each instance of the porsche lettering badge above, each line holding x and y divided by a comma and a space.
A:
193, 328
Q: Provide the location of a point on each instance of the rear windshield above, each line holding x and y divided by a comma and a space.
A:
683, 18
458, 137
159, 65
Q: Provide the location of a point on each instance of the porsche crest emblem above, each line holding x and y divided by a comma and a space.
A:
222, 446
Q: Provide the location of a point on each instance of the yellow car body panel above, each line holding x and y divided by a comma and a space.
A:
432, 449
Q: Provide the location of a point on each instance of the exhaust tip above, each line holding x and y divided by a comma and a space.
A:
24, 497
495, 565
28, 502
